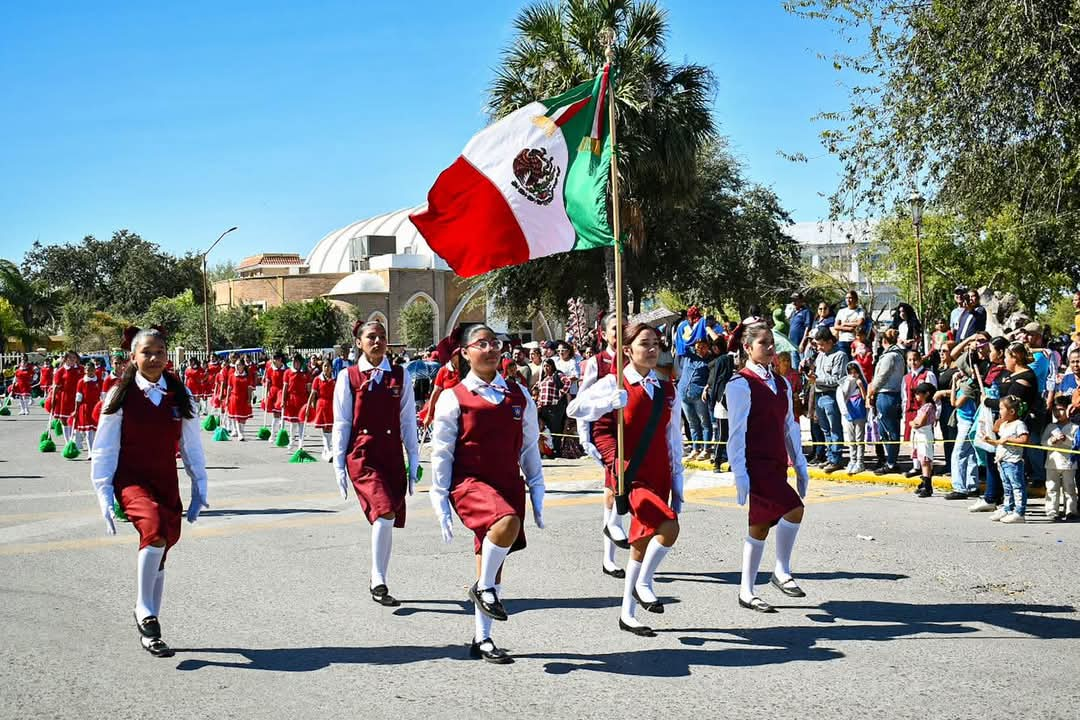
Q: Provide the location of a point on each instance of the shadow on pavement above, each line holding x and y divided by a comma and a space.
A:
263, 511
732, 578
318, 658
516, 606
21, 477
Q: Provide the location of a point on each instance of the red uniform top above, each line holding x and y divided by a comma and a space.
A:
605, 364
650, 489
99, 372
45, 382
447, 377
67, 379
239, 405
195, 380
486, 484
912, 406
274, 379
323, 418
145, 481
296, 395
771, 495
106, 385
90, 392
374, 459
24, 376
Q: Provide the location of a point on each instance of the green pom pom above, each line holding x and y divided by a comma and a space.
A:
419, 472
302, 456
47, 446
42, 403
4, 410
44, 436
71, 450
282, 439
210, 424
264, 433
118, 511
221, 434
57, 428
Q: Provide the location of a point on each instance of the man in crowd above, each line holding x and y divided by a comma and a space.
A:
973, 319
960, 295
848, 321
800, 321
523, 365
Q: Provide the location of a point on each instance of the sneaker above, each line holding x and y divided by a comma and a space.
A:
954, 495
998, 514
982, 506
885, 470
830, 468
857, 468
848, 468
1012, 519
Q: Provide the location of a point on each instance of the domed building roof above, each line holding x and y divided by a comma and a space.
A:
360, 281
332, 253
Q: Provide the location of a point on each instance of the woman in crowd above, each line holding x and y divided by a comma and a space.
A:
884, 393
907, 326
551, 399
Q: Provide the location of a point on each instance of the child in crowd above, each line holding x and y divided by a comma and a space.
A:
922, 436
851, 399
1010, 430
863, 353
1060, 470
1067, 388
940, 336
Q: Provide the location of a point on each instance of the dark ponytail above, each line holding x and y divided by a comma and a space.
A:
116, 400
181, 398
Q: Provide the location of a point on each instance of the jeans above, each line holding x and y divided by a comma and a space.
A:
1012, 478
554, 416
844, 346
948, 433
965, 465
698, 416
817, 451
993, 492
888, 407
828, 417
1036, 462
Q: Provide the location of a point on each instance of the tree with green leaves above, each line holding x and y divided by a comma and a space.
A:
664, 117
415, 322
313, 324
36, 302
10, 325
976, 100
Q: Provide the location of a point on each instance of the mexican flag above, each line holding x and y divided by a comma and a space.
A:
530, 185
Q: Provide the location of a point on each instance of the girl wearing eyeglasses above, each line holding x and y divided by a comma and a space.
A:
485, 436
374, 415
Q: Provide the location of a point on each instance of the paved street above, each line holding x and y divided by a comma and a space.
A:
931, 613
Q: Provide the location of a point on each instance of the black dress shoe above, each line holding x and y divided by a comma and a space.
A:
616, 573
640, 630
493, 610
654, 607
924, 491
954, 495
789, 587
487, 650
624, 544
157, 647
148, 627
913, 472
757, 605
885, 470
381, 594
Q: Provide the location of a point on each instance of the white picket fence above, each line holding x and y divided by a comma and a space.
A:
177, 355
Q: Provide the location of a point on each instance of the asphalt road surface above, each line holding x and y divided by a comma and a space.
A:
915, 608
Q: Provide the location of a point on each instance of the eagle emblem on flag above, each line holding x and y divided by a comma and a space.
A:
537, 174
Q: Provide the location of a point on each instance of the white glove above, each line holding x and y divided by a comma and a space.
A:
196, 505
676, 502
446, 524
343, 483
592, 452
412, 484
105, 500
742, 487
803, 482
619, 399
536, 495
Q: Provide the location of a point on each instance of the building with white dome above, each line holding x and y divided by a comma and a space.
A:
372, 269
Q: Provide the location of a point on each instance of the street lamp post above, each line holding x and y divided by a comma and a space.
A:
916, 201
206, 291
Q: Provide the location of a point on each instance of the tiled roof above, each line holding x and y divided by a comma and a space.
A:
270, 259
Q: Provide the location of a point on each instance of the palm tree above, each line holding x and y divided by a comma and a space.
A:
664, 109
34, 301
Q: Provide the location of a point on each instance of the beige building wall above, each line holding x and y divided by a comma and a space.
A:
273, 291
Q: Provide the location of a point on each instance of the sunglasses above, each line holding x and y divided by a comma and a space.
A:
486, 345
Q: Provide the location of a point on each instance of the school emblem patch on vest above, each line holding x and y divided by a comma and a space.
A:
517, 412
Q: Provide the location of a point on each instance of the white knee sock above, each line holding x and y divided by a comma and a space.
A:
239, 430
483, 625
159, 588
785, 541
90, 435
382, 541
300, 435
491, 559
613, 520
326, 442
751, 561
148, 566
67, 432
274, 426
629, 605
609, 546
655, 552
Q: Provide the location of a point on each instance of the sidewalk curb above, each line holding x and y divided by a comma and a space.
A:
867, 478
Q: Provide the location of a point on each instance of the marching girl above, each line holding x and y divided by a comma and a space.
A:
374, 413
321, 407
213, 370
485, 435
273, 382
119, 364
87, 396
595, 368
764, 435
145, 416
195, 379
228, 368
652, 432
24, 378
238, 397
65, 381
295, 395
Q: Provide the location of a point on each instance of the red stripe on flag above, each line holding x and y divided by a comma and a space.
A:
572, 111
469, 224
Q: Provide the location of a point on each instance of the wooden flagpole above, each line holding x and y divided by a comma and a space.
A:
620, 494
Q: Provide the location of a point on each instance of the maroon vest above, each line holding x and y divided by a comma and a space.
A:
604, 365
655, 470
490, 437
910, 383
766, 452
148, 440
375, 442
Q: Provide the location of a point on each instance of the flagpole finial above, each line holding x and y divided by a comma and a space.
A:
608, 36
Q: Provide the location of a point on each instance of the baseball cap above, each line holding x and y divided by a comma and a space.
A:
1033, 328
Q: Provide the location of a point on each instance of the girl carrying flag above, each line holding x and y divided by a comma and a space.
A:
485, 435
145, 416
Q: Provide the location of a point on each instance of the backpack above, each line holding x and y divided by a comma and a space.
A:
856, 405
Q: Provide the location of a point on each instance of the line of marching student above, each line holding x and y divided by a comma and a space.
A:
485, 460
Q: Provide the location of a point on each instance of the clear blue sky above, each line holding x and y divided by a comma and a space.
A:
179, 120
